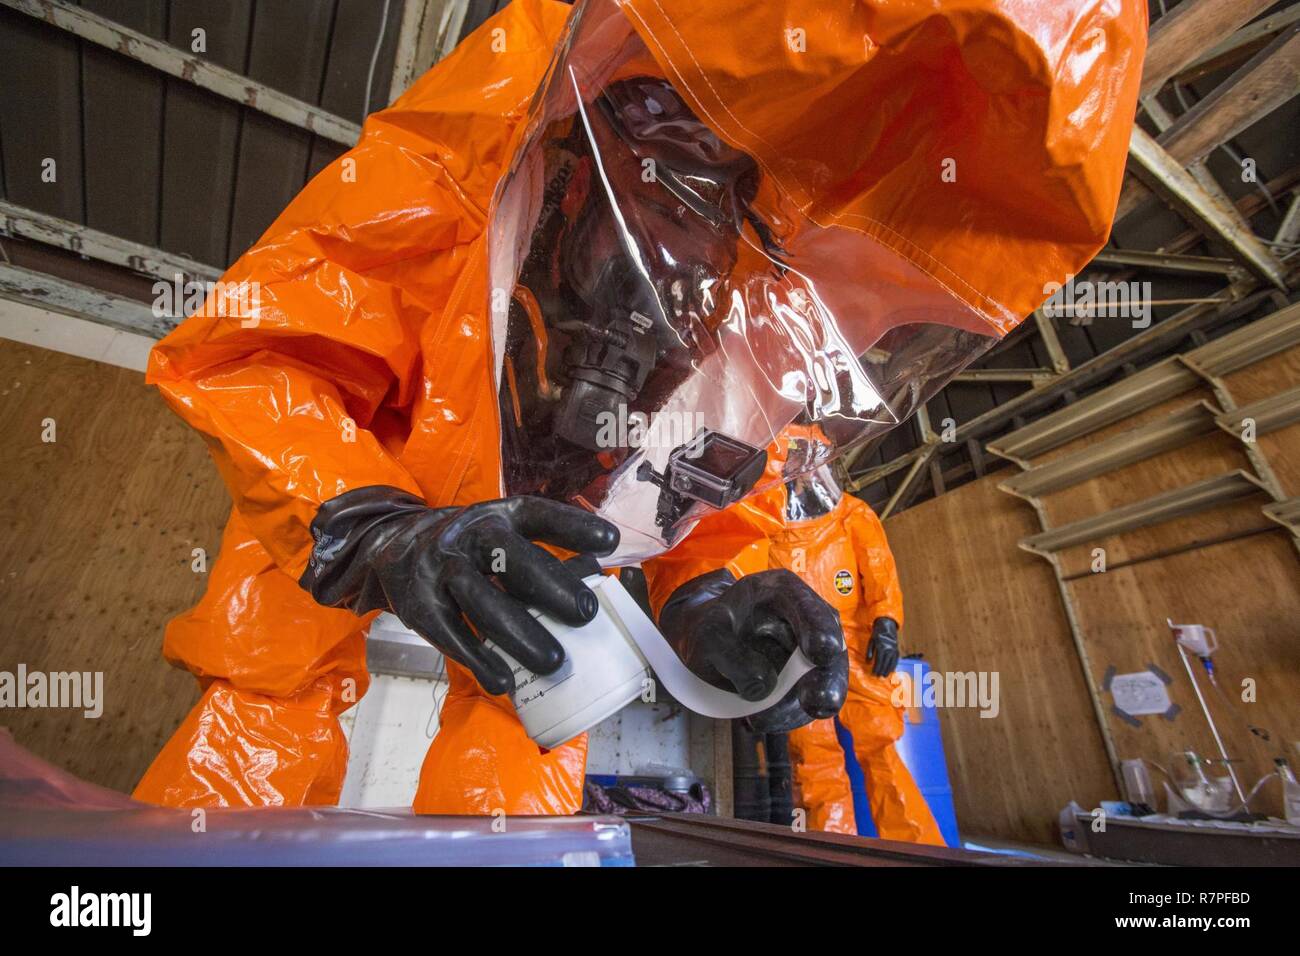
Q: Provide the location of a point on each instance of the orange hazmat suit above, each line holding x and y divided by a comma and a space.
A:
844, 557
836, 544
368, 357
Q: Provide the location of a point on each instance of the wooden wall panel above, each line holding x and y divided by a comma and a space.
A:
974, 601
1207, 457
1282, 449
1275, 374
1200, 459
962, 572
1249, 592
1247, 589
96, 535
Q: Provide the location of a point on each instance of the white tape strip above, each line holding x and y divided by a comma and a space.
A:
690, 691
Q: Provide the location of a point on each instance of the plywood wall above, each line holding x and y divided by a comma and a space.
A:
97, 530
963, 574
1247, 589
1258, 381
973, 601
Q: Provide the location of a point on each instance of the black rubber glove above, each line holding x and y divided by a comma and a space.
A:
384, 548
882, 649
739, 634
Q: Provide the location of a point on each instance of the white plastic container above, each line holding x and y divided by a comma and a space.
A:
612, 661
1137, 783
603, 672
1197, 638
609, 663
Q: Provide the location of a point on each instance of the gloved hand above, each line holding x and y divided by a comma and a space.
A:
384, 548
882, 649
739, 634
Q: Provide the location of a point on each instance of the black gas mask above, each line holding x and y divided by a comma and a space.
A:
624, 282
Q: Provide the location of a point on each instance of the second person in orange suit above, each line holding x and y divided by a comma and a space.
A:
836, 544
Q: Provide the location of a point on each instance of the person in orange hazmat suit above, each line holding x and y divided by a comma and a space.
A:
836, 544
573, 305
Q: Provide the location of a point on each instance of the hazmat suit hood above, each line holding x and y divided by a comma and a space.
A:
811, 490
720, 217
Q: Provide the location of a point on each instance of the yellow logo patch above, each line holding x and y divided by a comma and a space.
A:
844, 582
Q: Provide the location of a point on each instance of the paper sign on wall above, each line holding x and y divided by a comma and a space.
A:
1140, 693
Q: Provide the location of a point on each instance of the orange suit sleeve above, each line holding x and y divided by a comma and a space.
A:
882, 596
302, 366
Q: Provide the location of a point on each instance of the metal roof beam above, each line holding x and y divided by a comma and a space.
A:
1167, 262
1134, 445
1266, 415
1271, 78
1187, 31
1167, 176
1153, 385
429, 31
1160, 336
59, 295
1190, 499
1241, 45
21, 223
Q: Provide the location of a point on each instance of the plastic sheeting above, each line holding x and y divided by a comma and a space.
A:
724, 216
50, 818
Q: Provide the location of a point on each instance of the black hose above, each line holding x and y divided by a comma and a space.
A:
779, 779
753, 800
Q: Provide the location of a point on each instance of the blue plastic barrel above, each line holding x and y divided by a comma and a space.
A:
921, 750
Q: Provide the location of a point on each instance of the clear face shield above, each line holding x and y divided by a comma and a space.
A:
661, 310
811, 495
